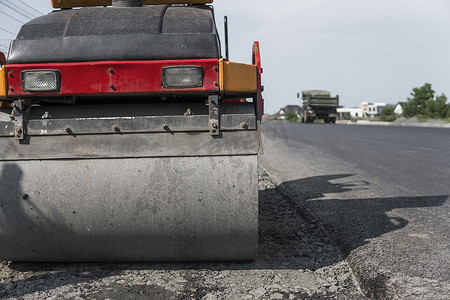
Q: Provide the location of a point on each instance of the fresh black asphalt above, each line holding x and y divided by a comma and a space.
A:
382, 193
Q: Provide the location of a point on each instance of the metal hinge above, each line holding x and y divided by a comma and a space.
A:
17, 115
214, 125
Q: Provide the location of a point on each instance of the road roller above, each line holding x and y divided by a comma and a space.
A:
126, 136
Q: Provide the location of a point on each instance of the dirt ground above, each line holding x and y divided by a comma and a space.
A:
296, 260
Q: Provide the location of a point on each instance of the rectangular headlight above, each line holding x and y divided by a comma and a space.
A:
180, 77
41, 81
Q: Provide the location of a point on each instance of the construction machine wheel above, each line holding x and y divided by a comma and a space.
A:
160, 196
144, 209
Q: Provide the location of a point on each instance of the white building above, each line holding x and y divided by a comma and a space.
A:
398, 109
372, 109
368, 109
354, 112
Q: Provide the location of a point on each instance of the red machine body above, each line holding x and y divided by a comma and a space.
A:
114, 77
256, 60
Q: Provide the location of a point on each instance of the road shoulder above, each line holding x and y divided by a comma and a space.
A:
388, 252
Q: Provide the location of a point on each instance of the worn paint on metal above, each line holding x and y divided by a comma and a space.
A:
115, 77
80, 126
3, 83
129, 145
121, 130
237, 78
256, 59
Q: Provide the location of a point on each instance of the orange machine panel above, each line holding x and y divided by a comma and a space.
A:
2, 82
236, 78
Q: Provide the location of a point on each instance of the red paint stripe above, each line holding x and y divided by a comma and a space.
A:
114, 77
259, 97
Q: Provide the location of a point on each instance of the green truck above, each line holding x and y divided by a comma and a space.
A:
318, 104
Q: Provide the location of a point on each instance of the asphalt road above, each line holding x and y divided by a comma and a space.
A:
382, 193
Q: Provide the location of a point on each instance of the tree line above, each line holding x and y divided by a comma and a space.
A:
423, 104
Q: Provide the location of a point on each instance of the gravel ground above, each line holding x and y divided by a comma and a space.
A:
296, 260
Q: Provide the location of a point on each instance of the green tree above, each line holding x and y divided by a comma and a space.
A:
388, 114
440, 108
417, 105
292, 116
423, 104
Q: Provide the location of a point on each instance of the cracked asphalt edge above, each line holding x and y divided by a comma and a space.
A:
362, 282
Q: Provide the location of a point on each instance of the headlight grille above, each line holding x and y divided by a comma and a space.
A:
40, 81
182, 77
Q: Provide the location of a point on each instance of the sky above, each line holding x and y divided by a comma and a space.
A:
362, 50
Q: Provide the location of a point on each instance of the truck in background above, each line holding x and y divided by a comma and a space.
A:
318, 104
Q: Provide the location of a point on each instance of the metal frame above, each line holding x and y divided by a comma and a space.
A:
214, 124
17, 117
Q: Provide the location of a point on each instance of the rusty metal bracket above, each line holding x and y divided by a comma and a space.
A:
17, 116
214, 125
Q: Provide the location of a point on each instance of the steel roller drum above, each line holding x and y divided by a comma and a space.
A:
198, 203
150, 209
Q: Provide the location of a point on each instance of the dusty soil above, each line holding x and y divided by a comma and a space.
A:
296, 260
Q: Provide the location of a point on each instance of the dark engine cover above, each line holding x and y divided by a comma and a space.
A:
105, 33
